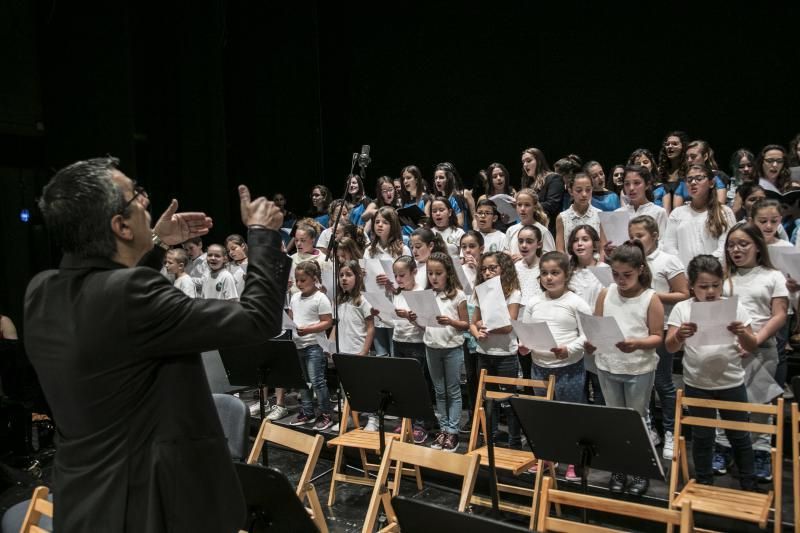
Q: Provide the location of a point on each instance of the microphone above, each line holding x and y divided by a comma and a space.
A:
363, 157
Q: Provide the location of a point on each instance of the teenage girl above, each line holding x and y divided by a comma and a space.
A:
698, 227
627, 373
497, 348
407, 336
762, 292
638, 190
423, 242
388, 244
445, 222
643, 157
713, 372
559, 307
603, 198
579, 213
311, 310
486, 220
530, 213
443, 348
669, 282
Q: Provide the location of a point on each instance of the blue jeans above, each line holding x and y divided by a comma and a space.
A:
593, 381
569, 381
505, 366
627, 390
314, 365
444, 365
665, 387
703, 437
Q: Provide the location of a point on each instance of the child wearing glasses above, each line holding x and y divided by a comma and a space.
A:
486, 218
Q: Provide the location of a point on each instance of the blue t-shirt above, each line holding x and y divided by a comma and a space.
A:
408, 230
323, 220
357, 211
605, 201
658, 195
683, 189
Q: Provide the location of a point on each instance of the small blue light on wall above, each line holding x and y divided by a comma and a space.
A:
24, 215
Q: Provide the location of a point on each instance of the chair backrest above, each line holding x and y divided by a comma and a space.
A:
683, 518
478, 417
292, 439
235, 418
39, 507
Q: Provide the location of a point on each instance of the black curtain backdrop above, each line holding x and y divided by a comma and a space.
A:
196, 97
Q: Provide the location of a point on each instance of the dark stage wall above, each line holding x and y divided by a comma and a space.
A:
196, 97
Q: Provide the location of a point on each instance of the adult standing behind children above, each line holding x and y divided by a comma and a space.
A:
116, 349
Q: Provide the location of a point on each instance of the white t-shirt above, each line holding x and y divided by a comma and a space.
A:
561, 316
664, 267
494, 241
298, 258
324, 239
447, 336
352, 330
307, 311
710, 367
687, 235
586, 285
381, 253
421, 277
528, 280
219, 285
631, 315
404, 330
501, 343
658, 213
239, 272
451, 236
512, 245
186, 285
570, 219
793, 296
756, 287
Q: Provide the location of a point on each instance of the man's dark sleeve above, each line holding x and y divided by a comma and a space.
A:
553, 196
163, 321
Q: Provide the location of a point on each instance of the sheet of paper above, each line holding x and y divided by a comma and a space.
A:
712, 319
494, 311
424, 304
328, 281
786, 259
534, 335
601, 331
505, 205
603, 275
462, 275
374, 268
388, 270
615, 225
761, 386
288, 323
379, 301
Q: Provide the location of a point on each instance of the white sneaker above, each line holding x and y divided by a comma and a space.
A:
255, 409
654, 436
669, 442
276, 412
372, 424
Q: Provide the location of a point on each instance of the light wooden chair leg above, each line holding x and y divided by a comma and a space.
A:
316, 509
380, 493
337, 464
544, 506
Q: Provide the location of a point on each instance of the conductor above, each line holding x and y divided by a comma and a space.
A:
116, 348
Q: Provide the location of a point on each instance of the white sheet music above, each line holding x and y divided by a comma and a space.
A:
494, 311
712, 319
603, 275
506, 205
424, 304
462, 276
374, 268
379, 301
786, 259
601, 331
534, 335
615, 225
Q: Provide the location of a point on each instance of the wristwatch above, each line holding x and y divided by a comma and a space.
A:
158, 242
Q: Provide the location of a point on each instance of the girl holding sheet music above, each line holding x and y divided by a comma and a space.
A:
627, 372
445, 222
713, 371
529, 240
497, 348
638, 184
443, 348
580, 212
558, 307
423, 242
388, 244
762, 292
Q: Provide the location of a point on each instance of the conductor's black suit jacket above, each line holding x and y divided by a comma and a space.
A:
140, 445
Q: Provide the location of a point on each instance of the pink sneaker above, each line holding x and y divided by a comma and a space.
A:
534, 468
571, 475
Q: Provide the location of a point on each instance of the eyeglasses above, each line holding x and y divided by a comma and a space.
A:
741, 245
695, 179
484, 214
138, 191
773, 161
490, 268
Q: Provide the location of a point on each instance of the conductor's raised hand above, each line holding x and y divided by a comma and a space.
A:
259, 212
174, 228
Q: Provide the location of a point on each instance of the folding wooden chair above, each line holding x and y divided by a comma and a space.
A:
732, 503
465, 466
506, 459
364, 441
39, 506
683, 518
300, 442
796, 464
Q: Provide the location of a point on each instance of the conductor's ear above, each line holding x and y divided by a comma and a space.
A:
121, 228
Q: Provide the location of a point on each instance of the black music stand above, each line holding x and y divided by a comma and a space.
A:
796, 390
272, 503
384, 386
415, 515
607, 438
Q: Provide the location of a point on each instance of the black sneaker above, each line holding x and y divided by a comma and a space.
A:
638, 486
438, 442
722, 460
616, 483
450, 443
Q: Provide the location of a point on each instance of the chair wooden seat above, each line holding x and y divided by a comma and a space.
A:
514, 461
361, 439
741, 505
